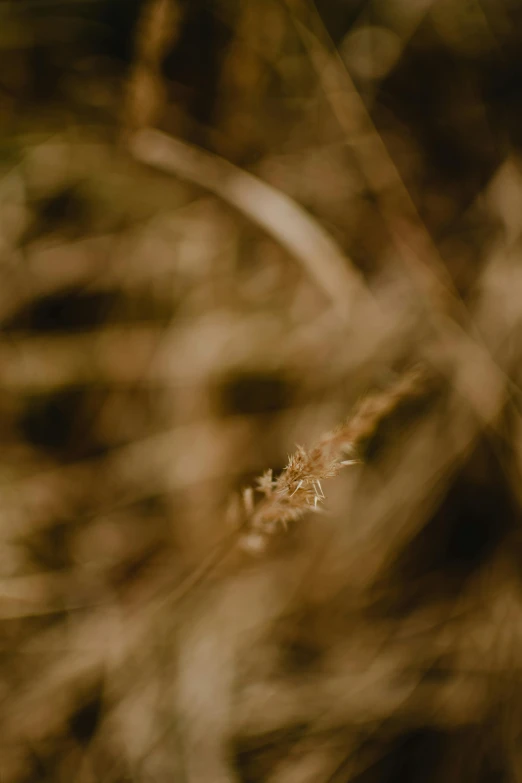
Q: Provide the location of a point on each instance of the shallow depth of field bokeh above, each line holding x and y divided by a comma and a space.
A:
227, 227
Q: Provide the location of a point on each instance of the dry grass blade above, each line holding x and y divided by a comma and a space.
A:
157, 29
398, 208
271, 209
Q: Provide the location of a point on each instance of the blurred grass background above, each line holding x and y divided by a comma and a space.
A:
222, 224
